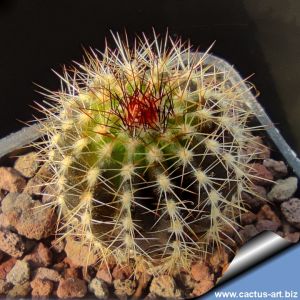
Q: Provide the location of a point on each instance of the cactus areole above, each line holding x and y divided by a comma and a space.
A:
147, 147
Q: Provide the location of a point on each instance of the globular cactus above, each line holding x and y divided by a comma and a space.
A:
148, 150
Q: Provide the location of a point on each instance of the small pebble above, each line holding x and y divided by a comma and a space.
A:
257, 149
291, 211
58, 245
260, 174
11, 243
11, 180
77, 253
27, 164
71, 288
124, 287
24, 214
40, 257
19, 274
248, 218
277, 168
292, 237
200, 271
104, 274
165, 286
266, 225
34, 186
71, 273
283, 189
41, 287
248, 232
99, 288
257, 199
48, 274
267, 213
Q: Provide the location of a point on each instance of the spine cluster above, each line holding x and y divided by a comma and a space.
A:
148, 150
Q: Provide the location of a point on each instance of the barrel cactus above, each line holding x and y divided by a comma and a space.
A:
147, 147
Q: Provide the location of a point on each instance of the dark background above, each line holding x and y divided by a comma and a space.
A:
256, 36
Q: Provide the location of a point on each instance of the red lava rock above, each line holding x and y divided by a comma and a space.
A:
248, 218
292, 237
291, 211
104, 274
28, 217
200, 271
256, 199
79, 255
260, 192
58, 245
266, 225
11, 180
219, 260
122, 272
40, 257
71, 273
257, 148
34, 186
59, 267
248, 232
6, 267
47, 274
229, 231
266, 212
277, 168
11, 243
68, 262
41, 287
203, 287
261, 175
27, 164
71, 288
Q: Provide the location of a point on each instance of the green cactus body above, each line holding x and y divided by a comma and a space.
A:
148, 154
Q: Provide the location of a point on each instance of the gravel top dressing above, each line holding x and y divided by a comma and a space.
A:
34, 262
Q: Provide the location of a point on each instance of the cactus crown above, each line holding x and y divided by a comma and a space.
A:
147, 147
